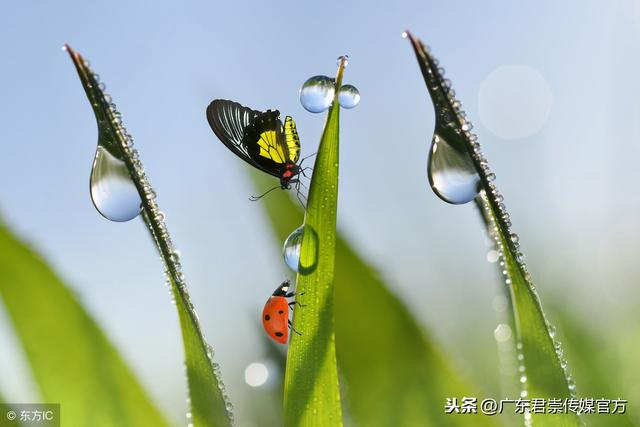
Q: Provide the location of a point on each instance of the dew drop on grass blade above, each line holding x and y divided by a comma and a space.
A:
113, 196
541, 364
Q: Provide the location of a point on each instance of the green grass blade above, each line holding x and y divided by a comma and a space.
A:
71, 359
311, 388
602, 373
543, 362
377, 353
209, 405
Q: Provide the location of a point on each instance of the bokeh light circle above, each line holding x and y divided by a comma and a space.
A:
514, 101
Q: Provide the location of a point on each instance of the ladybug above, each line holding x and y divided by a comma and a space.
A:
275, 315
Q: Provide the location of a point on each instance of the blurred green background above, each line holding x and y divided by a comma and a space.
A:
552, 91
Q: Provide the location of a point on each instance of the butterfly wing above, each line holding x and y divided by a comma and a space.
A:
291, 139
228, 120
264, 139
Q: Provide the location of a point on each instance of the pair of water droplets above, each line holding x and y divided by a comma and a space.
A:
318, 92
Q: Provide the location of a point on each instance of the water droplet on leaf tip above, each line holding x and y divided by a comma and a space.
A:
452, 174
316, 94
348, 96
112, 191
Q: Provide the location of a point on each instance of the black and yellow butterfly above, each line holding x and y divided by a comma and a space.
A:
258, 138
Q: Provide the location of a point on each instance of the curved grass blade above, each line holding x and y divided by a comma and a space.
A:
541, 359
312, 391
72, 360
209, 405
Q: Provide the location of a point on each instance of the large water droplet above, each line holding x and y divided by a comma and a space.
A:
113, 193
292, 250
348, 96
452, 174
316, 94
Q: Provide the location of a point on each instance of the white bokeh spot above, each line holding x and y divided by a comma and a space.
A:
256, 374
514, 101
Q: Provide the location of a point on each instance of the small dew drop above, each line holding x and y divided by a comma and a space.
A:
493, 256
316, 94
344, 59
523, 379
113, 193
452, 174
405, 34
348, 96
502, 333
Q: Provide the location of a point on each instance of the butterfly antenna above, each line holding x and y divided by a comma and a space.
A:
256, 198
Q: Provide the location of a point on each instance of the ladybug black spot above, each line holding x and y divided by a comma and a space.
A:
280, 312
267, 317
279, 334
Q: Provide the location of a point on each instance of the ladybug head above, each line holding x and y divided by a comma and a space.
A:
282, 289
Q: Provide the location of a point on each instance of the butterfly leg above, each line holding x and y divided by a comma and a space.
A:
305, 158
300, 196
303, 172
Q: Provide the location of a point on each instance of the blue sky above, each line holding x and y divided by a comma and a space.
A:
570, 187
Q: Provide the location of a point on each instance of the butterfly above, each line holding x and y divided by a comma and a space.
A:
260, 139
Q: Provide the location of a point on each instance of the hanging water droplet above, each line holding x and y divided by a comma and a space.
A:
452, 174
316, 94
344, 59
293, 246
113, 193
348, 96
291, 249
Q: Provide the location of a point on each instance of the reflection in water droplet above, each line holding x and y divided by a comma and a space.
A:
452, 175
348, 96
112, 191
291, 249
316, 94
293, 246
344, 59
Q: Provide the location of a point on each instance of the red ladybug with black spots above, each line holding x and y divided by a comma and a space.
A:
275, 315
